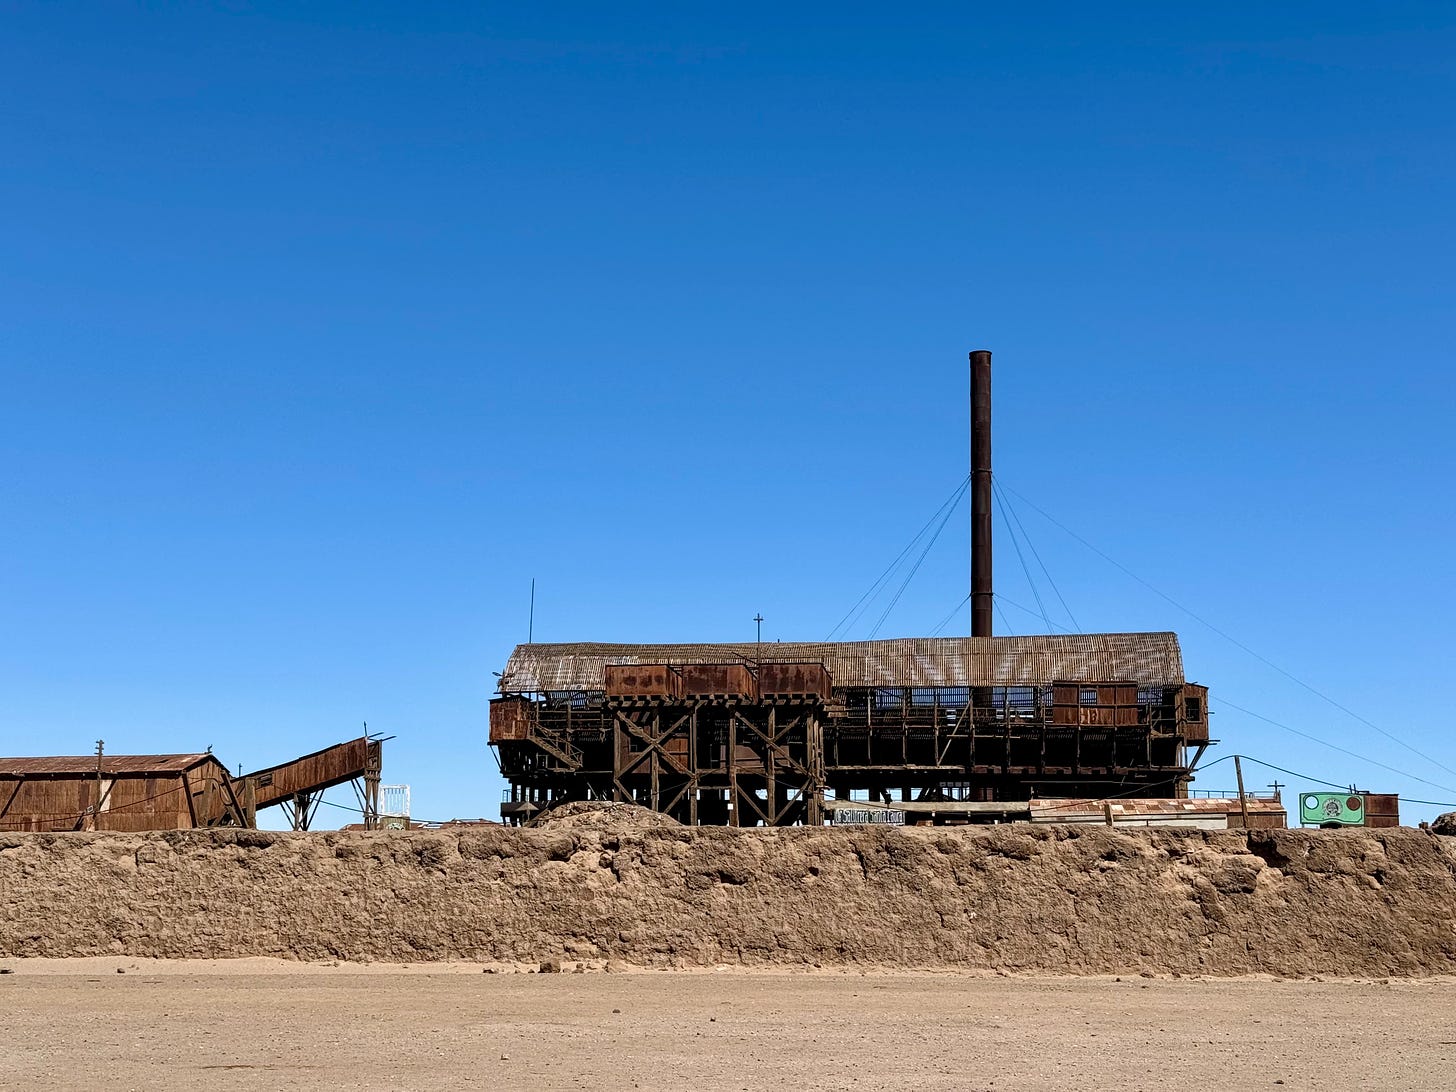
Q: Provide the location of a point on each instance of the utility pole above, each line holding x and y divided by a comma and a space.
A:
1243, 800
96, 807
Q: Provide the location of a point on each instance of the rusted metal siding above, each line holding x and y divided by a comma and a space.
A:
1382, 810
510, 719
793, 680
1153, 659
708, 680
643, 681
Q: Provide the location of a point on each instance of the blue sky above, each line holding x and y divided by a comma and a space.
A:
325, 329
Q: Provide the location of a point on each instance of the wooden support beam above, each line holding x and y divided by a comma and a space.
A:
14, 792
187, 795
733, 801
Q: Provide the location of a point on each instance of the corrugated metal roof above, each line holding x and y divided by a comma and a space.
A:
1153, 659
79, 765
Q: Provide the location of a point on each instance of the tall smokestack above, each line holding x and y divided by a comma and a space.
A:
981, 599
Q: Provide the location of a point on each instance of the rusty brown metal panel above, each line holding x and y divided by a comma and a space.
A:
700, 680
777, 679
509, 719
1382, 810
642, 681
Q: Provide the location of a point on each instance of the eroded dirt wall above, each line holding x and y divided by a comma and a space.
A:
1015, 898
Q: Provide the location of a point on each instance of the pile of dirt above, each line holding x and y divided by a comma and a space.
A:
1445, 824
1016, 898
601, 815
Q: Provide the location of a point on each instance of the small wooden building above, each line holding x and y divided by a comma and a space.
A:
115, 792
179, 792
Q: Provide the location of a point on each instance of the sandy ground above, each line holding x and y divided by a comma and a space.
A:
261, 1024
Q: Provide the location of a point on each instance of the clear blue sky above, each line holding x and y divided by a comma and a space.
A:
324, 329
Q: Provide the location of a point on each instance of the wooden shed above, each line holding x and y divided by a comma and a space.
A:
115, 792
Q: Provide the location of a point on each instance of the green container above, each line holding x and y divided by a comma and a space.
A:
1341, 808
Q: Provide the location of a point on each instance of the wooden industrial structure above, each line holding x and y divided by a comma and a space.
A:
760, 734
177, 792
753, 734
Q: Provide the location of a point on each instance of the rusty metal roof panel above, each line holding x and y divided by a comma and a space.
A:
1153, 659
111, 765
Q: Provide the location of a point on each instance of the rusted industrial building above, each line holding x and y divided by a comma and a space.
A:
175, 792
747, 734
750, 734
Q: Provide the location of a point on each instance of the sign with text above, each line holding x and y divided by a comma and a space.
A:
867, 816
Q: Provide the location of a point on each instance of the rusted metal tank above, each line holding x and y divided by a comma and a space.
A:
717, 680
643, 681
1382, 810
509, 719
784, 680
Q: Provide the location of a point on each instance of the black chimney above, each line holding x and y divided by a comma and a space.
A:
982, 602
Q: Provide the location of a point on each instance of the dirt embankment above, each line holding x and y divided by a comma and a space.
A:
1015, 898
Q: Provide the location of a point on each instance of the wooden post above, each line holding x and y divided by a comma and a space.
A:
1107, 811
814, 737
655, 761
694, 787
373, 771
187, 796
770, 767
1243, 800
734, 819
619, 750
92, 820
